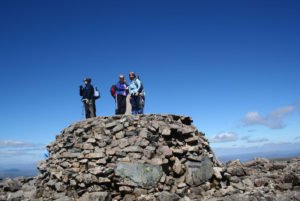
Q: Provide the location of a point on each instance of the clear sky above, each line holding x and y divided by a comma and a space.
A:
233, 66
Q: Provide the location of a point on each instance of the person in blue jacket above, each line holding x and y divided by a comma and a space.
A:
87, 94
137, 95
121, 94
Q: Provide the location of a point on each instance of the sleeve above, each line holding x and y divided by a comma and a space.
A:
80, 91
139, 86
129, 89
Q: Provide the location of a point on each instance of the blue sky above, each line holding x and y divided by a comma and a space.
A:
233, 66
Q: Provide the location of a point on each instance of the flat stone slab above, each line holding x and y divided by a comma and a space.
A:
144, 175
199, 172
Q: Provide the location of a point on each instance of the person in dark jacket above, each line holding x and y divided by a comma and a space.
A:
121, 94
87, 94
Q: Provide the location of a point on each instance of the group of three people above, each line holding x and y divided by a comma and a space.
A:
135, 89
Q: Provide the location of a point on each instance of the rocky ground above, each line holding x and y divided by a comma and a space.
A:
260, 179
148, 158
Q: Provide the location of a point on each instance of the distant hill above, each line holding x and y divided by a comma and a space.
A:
270, 155
14, 172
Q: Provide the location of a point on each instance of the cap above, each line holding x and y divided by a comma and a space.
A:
87, 79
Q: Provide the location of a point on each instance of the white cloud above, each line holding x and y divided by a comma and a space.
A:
273, 120
224, 137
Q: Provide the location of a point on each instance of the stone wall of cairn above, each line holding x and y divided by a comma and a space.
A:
138, 157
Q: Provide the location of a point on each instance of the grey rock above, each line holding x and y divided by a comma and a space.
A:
128, 197
140, 191
199, 172
166, 196
16, 196
248, 183
96, 196
11, 185
236, 171
71, 155
64, 198
125, 189
261, 182
60, 187
217, 172
101, 161
97, 170
118, 128
178, 167
285, 186
88, 146
165, 151
3, 198
144, 133
120, 135
165, 131
144, 175
297, 196
123, 143
187, 130
95, 155
135, 149
110, 124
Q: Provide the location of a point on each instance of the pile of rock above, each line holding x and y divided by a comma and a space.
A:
148, 158
260, 179
128, 157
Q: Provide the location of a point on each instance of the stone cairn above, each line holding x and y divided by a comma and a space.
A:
128, 157
148, 158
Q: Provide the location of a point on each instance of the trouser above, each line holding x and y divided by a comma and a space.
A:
137, 104
121, 104
90, 108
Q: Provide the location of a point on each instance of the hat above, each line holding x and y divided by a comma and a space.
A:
87, 79
132, 73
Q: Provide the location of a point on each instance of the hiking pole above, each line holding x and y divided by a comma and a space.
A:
116, 110
82, 111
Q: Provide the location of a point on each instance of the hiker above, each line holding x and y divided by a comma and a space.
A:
88, 99
121, 94
137, 95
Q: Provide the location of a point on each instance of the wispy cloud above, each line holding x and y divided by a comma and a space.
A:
297, 138
224, 137
12, 143
273, 120
245, 138
248, 140
11, 148
9, 153
258, 140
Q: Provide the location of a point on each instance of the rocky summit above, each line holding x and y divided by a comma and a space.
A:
148, 158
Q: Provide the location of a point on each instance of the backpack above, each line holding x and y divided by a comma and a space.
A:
96, 93
113, 89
